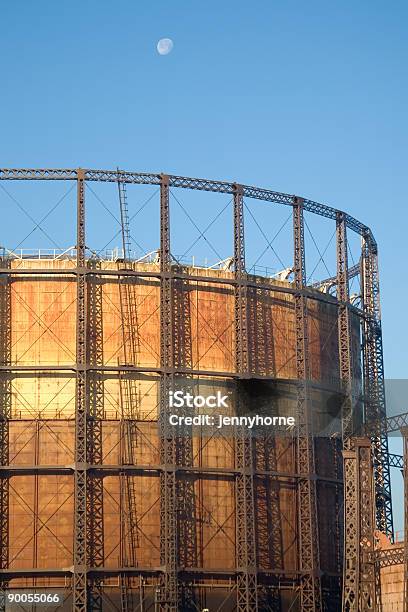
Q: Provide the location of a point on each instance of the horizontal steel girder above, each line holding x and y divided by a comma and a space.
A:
141, 178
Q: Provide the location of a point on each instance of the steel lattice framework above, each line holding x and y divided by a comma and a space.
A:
247, 593
345, 346
88, 470
81, 413
360, 576
373, 379
5, 415
308, 535
95, 526
404, 432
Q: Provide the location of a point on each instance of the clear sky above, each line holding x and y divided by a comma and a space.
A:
304, 97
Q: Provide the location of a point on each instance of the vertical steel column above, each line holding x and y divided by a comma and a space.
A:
344, 329
404, 433
268, 519
241, 301
360, 571
333, 588
186, 494
247, 595
373, 377
5, 415
168, 596
351, 533
81, 392
350, 575
95, 535
308, 532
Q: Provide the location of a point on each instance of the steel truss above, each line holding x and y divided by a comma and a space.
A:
360, 573
373, 377
140, 178
392, 423
95, 530
247, 592
308, 532
81, 417
350, 571
396, 461
333, 588
5, 415
346, 378
404, 432
344, 331
390, 556
186, 494
168, 596
267, 486
268, 522
89, 369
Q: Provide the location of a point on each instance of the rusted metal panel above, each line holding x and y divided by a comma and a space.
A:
43, 332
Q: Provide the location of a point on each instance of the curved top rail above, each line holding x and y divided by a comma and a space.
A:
144, 178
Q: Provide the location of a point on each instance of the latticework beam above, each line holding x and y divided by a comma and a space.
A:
183, 182
81, 397
95, 523
374, 391
247, 595
168, 595
308, 536
5, 415
344, 330
359, 591
404, 432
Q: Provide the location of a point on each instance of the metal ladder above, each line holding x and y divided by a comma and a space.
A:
124, 219
129, 401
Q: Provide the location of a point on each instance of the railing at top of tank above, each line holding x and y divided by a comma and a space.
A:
55, 254
115, 254
143, 178
39, 253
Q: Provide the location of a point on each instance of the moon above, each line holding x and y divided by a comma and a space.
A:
164, 46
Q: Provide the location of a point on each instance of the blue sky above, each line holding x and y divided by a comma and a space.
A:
303, 97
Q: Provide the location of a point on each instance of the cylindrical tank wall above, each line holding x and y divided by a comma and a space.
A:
41, 432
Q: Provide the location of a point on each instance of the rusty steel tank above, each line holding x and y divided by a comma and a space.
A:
101, 498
